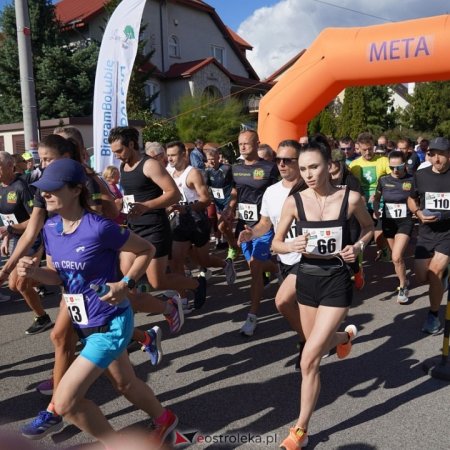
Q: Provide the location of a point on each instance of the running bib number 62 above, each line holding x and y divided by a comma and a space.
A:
76, 308
437, 200
247, 212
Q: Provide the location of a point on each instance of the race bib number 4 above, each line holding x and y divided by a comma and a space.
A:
9, 219
76, 308
323, 241
218, 193
437, 200
247, 212
128, 201
396, 210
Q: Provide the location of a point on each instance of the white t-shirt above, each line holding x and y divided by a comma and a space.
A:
272, 204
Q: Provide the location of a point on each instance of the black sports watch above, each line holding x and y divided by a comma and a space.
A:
131, 284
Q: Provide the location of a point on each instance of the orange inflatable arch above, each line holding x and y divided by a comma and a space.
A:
413, 50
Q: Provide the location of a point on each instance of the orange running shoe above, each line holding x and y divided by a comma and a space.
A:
343, 350
298, 438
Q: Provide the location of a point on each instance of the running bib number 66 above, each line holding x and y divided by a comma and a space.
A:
323, 241
76, 308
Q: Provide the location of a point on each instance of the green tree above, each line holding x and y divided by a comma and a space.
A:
209, 118
368, 108
64, 75
155, 129
379, 109
429, 108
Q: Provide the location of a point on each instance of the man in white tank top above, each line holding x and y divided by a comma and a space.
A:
189, 220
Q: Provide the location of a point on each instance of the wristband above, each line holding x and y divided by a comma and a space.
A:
361, 243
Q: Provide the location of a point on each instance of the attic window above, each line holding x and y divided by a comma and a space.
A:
174, 47
218, 53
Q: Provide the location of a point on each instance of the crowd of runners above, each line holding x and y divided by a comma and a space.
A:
301, 214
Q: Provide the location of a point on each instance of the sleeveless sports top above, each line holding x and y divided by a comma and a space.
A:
142, 188
188, 195
326, 237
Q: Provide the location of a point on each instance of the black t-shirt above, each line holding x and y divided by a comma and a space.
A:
16, 200
222, 179
395, 190
251, 181
433, 191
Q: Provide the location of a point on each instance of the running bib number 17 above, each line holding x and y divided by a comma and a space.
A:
437, 200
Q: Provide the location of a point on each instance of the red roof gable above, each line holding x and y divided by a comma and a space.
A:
240, 41
69, 11
187, 69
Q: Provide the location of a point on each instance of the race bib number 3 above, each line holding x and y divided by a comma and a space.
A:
324, 241
396, 210
437, 200
247, 212
76, 308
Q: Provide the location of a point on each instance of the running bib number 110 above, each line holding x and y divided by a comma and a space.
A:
437, 200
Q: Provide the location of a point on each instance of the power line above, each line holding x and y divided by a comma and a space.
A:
354, 11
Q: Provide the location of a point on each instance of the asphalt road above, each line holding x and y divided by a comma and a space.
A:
236, 392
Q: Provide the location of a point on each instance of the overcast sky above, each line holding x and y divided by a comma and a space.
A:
280, 31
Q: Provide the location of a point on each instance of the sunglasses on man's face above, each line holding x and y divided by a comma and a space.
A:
345, 149
399, 167
285, 160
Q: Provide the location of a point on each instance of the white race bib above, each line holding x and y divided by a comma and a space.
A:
437, 200
9, 219
218, 193
247, 212
128, 201
292, 231
396, 210
183, 200
324, 241
76, 307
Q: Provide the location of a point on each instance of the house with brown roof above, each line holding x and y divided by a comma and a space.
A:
194, 51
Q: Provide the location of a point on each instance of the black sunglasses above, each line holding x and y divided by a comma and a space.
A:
399, 167
344, 149
285, 160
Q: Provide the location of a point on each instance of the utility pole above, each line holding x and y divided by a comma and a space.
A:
29, 109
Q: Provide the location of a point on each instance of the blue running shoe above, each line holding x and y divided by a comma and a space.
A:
432, 325
45, 423
154, 349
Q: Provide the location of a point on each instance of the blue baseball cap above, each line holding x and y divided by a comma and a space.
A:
59, 173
